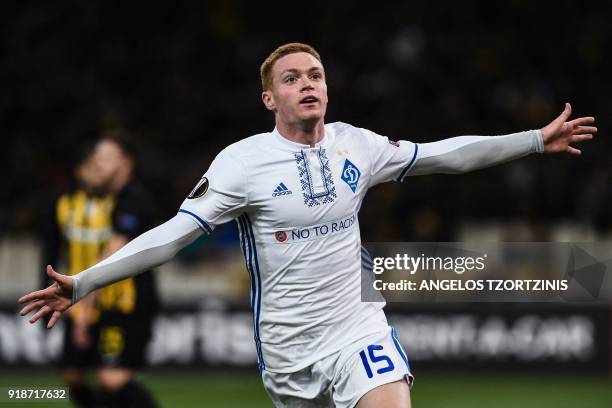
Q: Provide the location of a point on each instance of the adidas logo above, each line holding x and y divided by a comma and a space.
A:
281, 190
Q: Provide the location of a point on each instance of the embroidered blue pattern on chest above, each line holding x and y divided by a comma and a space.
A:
310, 198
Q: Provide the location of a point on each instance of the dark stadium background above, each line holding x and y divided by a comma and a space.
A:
183, 78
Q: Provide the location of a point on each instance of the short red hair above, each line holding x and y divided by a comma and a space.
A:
291, 48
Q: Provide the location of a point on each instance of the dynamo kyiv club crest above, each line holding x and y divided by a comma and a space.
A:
350, 175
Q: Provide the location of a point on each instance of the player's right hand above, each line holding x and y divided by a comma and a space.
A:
57, 298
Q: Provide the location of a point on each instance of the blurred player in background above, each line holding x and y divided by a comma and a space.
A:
295, 193
111, 328
127, 307
79, 228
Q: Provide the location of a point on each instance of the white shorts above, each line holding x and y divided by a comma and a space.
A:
341, 379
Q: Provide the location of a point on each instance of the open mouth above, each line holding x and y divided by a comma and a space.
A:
309, 99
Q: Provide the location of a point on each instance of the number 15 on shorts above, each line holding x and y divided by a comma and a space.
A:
375, 359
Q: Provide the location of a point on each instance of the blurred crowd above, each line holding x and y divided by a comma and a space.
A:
183, 79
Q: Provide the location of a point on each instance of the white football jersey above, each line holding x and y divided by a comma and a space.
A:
297, 211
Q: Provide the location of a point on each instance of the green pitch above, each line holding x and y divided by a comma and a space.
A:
227, 390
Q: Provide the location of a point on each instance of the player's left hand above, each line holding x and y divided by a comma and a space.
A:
559, 134
57, 298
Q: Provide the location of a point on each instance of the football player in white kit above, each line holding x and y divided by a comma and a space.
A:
295, 193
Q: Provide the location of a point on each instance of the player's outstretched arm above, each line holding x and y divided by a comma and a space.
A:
146, 251
467, 153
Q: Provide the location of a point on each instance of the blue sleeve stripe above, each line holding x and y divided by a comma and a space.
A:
200, 221
403, 173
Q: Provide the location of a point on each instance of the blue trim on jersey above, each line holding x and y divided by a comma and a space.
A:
366, 253
200, 221
248, 241
247, 258
399, 348
366, 259
416, 150
258, 275
368, 265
